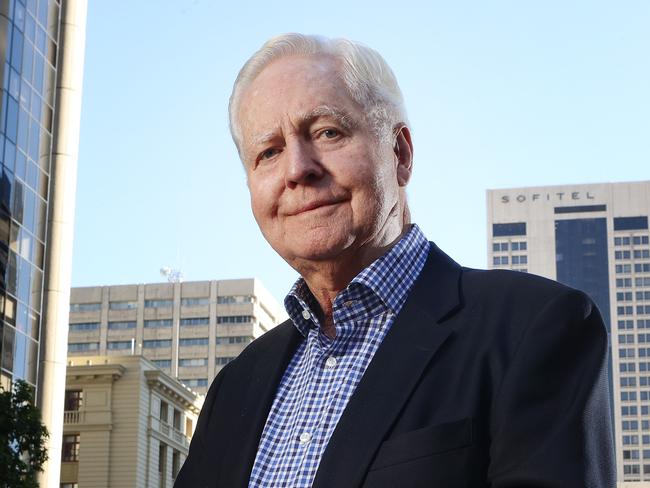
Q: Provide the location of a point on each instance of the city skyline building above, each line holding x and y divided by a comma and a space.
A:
41, 68
190, 330
126, 423
595, 238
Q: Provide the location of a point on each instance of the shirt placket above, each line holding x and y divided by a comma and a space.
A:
324, 384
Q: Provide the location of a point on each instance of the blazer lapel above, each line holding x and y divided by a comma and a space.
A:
248, 421
393, 373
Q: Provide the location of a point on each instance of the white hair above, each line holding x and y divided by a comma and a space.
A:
368, 78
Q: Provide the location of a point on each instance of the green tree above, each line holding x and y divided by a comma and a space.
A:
22, 437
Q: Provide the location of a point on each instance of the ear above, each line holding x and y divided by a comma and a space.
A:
403, 150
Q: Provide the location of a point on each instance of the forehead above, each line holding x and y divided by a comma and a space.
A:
288, 89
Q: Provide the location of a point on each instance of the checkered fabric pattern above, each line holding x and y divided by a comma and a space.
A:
324, 372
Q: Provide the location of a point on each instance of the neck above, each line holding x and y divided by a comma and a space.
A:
327, 278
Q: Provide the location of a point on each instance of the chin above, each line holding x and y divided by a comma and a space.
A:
317, 247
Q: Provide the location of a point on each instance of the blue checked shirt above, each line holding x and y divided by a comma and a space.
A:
324, 372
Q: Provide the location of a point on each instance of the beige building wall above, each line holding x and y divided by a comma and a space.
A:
190, 330
628, 286
120, 424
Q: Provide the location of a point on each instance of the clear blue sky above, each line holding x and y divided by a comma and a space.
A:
499, 93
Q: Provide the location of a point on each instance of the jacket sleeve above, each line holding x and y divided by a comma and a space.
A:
192, 474
551, 422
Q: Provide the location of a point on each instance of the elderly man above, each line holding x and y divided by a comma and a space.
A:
397, 368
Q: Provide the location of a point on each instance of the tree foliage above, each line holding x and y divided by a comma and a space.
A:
22, 437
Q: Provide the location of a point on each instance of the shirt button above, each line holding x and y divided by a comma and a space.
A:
305, 437
349, 303
331, 362
306, 315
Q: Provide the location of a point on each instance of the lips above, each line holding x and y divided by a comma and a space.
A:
316, 204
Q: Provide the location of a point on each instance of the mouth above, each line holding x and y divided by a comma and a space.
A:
315, 205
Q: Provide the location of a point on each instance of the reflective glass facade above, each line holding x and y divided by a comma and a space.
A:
28, 58
581, 259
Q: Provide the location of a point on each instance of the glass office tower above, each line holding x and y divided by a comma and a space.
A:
29, 33
41, 71
594, 238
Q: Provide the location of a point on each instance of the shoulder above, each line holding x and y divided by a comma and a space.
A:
513, 288
506, 305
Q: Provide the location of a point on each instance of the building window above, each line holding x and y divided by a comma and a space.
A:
222, 361
125, 325
157, 344
235, 299
70, 449
123, 305
630, 223
83, 346
68, 485
73, 400
626, 310
624, 282
194, 302
193, 341
193, 362
234, 319
118, 345
195, 382
176, 463
157, 324
162, 363
158, 303
642, 268
85, 307
505, 230
623, 268
84, 327
162, 460
195, 321
235, 340
625, 324
164, 410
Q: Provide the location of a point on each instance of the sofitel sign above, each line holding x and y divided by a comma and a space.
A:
547, 197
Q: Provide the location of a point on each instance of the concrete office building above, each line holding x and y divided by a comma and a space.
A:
594, 238
189, 330
126, 423
41, 66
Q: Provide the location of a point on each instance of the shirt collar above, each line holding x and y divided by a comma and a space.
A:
390, 278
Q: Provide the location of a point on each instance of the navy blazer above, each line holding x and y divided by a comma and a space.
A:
486, 378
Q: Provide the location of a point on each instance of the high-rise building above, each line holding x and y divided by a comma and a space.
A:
126, 423
189, 330
41, 70
594, 238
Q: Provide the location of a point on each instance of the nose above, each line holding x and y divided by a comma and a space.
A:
302, 164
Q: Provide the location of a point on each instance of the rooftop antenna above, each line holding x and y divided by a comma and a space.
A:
172, 275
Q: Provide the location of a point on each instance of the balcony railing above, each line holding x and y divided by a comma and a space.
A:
73, 417
168, 431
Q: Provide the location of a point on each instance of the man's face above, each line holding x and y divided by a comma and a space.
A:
322, 184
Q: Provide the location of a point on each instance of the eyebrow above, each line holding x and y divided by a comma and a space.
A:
342, 117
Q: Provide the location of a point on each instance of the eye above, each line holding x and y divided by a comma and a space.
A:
268, 153
330, 133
